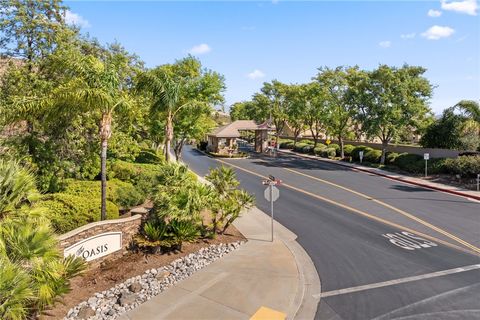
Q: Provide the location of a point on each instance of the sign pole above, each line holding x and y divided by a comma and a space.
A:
478, 182
271, 206
426, 157
426, 161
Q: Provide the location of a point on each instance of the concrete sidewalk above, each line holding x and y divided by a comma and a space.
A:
396, 176
278, 275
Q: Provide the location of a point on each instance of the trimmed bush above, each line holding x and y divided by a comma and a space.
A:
299, 146
336, 147
122, 194
148, 156
356, 151
466, 166
142, 175
286, 144
328, 153
373, 156
413, 163
307, 149
318, 150
391, 157
306, 141
347, 150
67, 212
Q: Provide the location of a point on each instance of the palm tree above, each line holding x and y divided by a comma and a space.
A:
16, 185
90, 86
168, 99
470, 108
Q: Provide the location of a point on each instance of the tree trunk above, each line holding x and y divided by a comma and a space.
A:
168, 136
340, 141
384, 151
105, 133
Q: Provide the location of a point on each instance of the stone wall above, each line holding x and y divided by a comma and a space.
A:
129, 227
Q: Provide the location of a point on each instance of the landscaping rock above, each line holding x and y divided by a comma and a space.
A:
110, 304
85, 313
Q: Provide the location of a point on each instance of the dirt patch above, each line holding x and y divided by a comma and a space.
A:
119, 270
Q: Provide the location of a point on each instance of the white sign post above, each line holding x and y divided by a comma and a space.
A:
426, 156
271, 194
95, 247
360, 154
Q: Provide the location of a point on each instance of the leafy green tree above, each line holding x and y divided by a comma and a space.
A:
315, 115
338, 84
393, 99
248, 110
470, 108
297, 95
273, 100
178, 86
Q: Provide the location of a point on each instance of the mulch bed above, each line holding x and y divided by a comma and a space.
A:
130, 265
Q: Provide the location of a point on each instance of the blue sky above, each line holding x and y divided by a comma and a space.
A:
252, 42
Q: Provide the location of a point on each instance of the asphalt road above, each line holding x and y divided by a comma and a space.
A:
351, 225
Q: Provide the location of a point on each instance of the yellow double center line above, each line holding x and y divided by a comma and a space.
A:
365, 214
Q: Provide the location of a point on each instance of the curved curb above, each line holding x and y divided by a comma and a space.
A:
338, 163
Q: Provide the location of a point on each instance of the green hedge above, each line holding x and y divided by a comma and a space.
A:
373, 156
143, 176
413, 163
123, 194
336, 147
148, 156
328, 153
286, 144
466, 166
347, 150
67, 212
299, 146
391, 157
306, 141
318, 150
307, 149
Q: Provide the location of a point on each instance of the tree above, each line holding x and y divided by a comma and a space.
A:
28, 28
391, 100
178, 86
297, 96
338, 84
315, 114
470, 108
248, 110
273, 99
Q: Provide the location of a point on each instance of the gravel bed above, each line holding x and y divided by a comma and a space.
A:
125, 296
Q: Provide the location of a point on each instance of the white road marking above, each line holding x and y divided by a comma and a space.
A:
396, 281
408, 241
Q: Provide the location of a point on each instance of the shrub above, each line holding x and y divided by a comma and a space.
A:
306, 141
467, 166
148, 156
413, 163
347, 150
307, 149
67, 212
318, 150
299, 146
356, 151
436, 165
391, 157
284, 143
123, 194
328, 153
142, 175
336, 147
184, 231
373, 156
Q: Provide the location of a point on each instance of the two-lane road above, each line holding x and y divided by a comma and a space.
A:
382, 249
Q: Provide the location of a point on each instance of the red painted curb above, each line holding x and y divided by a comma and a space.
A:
458, 193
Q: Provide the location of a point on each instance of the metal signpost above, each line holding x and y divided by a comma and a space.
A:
478, 182
360, 154
426, 156
271, 194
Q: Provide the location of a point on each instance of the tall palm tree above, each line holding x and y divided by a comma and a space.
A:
168, 99
470, 108
88, 85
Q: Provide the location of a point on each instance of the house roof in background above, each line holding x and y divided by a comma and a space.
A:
233, 129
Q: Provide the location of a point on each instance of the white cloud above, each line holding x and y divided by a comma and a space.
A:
385, 44
256, 74
408, 35
438, 32
434, 13
467, 6
76, 20
200, 49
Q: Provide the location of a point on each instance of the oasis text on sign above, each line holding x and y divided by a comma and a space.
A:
96, 247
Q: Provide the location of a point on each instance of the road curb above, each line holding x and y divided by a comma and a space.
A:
363, 169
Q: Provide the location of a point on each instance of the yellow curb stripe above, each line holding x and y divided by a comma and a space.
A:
265, 313
404, 213
362, 213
